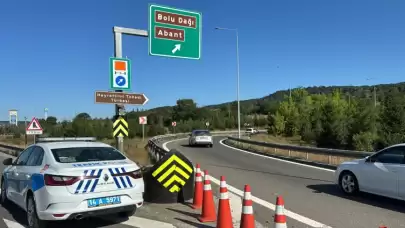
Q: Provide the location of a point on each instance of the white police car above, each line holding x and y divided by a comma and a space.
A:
71, 178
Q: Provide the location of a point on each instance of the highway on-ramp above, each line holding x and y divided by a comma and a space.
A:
309, 192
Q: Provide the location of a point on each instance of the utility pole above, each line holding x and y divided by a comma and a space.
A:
375, 98
25, 118
374, 92
238, 75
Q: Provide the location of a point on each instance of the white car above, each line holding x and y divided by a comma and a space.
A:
381, 173
251, 131
200, 137
71, 178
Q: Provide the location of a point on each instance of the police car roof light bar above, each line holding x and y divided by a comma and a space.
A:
65, 139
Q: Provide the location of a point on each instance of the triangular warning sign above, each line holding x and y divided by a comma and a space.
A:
34, 125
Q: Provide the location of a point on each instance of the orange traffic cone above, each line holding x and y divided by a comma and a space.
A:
382, 226
280, 220
198, 189
224, 208
208, 207
248, 219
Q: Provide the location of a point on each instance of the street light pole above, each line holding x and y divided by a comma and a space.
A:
238, 75
374, 93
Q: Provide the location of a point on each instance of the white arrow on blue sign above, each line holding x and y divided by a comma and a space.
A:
120, 74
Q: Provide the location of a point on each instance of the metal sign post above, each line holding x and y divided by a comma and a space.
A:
143, 132
118, 31
142, 121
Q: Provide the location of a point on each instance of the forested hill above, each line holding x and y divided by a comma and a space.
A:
334, 117
268, 103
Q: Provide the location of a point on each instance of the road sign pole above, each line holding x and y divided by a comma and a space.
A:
143, 132
118, 54
25, 118
118, 31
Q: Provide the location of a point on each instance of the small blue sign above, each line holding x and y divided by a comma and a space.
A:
120, 81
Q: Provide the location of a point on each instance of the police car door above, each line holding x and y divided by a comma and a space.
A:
15, 178
30, 172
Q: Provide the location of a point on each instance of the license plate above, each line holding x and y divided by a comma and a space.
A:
98, 202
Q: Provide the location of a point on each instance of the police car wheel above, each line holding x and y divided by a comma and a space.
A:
3, 197
127, 213
32, 216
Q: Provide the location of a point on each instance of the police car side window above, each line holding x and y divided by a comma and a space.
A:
23, 158
36, 157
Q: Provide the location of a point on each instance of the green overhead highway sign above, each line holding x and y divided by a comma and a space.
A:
174, 32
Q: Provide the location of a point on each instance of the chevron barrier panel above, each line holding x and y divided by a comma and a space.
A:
170, 180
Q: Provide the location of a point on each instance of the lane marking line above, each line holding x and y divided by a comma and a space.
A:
295, 216
277, 159
236, 207
133, 221
146, 223
12, 224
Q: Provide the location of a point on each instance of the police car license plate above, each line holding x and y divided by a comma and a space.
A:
103, 201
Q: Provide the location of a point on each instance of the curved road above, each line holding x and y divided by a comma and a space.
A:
307, 191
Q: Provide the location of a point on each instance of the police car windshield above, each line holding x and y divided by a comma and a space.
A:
86, 154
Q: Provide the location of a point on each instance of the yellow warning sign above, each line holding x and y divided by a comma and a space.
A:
174, 173
120, 127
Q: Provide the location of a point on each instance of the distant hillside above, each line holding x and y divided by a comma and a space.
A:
268, 103
7, 122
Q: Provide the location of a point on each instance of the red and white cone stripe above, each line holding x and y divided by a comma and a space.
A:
224, 208
247, 218
198, 176
223, 190
280, 220
248, 204
207, 183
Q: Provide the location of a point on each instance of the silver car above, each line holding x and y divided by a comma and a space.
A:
200, 137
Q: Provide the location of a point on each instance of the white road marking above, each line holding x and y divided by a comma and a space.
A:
257, 200
133, 221
145, 223
277, 159
236, 207
12, 224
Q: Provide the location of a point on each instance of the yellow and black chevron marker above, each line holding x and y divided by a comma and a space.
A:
120, 127
173, 173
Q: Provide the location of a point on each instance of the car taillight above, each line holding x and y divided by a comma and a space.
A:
53, 180
134, 174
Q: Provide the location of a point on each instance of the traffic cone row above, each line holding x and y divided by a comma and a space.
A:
204, 199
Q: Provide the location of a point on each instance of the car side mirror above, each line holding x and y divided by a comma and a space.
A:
8, 161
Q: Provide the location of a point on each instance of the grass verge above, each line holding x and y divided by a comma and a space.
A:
296, 140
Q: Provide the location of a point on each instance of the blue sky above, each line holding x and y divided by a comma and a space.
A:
54, 54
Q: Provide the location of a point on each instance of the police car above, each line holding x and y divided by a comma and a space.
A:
71, 178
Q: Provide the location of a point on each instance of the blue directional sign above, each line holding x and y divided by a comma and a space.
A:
120, 74
120, 80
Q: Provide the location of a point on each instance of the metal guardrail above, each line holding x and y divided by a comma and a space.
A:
322, 155
11, 149
153, 146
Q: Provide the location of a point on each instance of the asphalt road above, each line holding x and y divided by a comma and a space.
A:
307, 191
